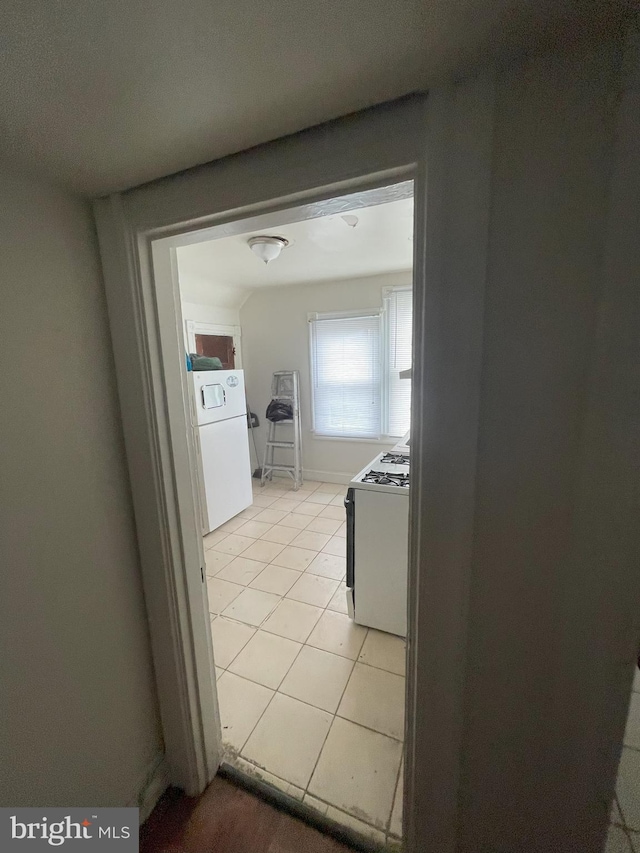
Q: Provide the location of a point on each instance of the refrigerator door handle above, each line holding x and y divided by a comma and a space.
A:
349, 505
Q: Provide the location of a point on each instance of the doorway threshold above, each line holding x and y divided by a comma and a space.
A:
286, 803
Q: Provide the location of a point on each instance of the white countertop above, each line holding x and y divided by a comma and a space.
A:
403, 445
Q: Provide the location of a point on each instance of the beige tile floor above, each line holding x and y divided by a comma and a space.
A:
624, 832
309, 701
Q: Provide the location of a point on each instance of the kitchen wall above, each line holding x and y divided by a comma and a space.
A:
275, 336
215, 315
203, 297
206, 300
79, 720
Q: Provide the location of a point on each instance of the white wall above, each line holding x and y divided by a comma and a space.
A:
220, 305
203, 297
210, 314
79, 710
553, 609
275, 336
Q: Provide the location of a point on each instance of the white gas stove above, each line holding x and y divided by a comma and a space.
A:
377, 505
387, 472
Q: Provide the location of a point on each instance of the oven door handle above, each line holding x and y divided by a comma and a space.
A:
350, 507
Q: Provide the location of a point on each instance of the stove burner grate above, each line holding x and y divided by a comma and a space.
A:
383, 478
395, 459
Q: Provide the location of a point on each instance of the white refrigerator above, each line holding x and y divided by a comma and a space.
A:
219, 417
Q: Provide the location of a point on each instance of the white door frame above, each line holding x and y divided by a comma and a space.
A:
363, 150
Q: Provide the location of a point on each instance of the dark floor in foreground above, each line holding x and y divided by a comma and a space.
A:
227, 819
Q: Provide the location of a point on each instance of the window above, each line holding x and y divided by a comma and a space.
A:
355, 364
346, 375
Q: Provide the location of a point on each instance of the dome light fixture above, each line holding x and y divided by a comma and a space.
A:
267, 248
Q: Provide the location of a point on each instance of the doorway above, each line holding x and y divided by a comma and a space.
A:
378, 147
303, 682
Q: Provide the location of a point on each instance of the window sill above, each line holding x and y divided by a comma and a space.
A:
384, 440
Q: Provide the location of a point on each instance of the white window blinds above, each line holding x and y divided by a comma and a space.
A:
346, 356
399, 313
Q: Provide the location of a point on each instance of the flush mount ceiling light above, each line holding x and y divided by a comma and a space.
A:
267, 248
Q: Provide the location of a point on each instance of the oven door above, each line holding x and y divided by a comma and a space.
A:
377, 558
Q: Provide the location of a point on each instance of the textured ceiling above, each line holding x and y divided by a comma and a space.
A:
106, 95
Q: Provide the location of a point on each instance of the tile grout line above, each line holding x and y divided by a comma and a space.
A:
306, 790
259, 539
238, 621
628, 746
302, 571
395, 790
324, 802
308, 704
246, 741
628, 829
386, 831
224, 669
325, 610
340, 581
274, 692
343, 811
324, 710
393, 798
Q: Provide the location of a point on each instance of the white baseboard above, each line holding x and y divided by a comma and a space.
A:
318, 476
154, 784
327, 477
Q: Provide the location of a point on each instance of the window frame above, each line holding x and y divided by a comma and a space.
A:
386, 332
196, 327
385, 365
313, 317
